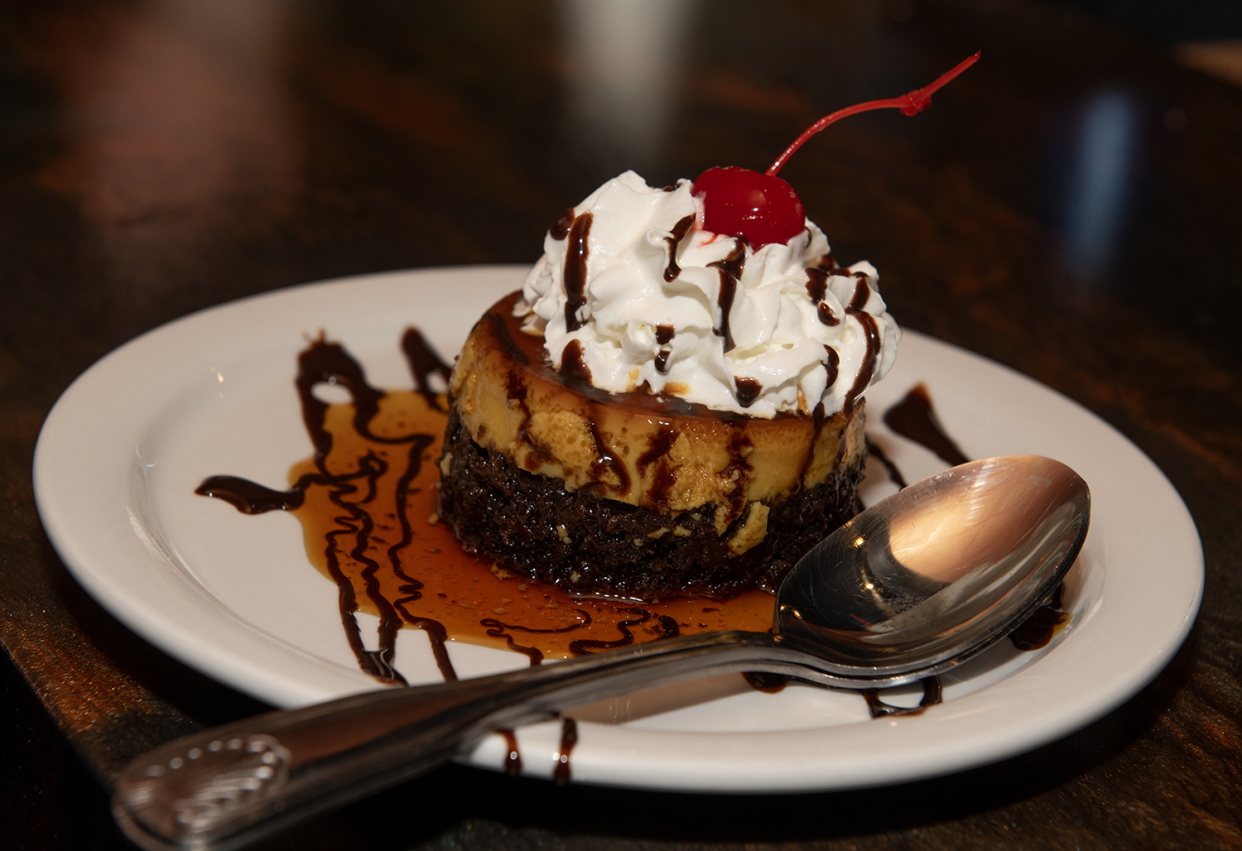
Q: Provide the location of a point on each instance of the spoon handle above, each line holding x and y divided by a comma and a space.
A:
230, 785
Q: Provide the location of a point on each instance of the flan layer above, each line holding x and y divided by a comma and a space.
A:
648, 451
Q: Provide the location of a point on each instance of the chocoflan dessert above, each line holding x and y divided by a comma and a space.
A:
662, 410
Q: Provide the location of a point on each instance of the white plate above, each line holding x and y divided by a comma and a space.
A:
234, 595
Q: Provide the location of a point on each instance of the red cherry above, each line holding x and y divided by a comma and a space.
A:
758, 207
762, 208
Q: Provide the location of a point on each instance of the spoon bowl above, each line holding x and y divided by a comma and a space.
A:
912, 587
938, 573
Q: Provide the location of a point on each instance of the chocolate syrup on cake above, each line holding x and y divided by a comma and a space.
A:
862, 292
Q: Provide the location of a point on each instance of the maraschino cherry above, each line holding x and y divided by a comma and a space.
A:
762, 208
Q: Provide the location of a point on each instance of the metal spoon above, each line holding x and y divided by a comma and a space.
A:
911, 587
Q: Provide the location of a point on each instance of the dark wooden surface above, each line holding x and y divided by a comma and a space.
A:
158, 158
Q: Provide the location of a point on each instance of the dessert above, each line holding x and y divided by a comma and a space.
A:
695, 433
367, 497
673, 403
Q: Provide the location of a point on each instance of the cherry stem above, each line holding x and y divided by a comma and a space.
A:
910, 104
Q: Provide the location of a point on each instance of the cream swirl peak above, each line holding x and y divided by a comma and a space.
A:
632, 293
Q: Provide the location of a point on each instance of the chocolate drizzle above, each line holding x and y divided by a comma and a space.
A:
329, 363
894, 473
862, 292
730, 271
662, 477
915, 418
816, 283
250, 497
818, 420
1038, 629
569, 738
576, 270
560, 228
394, 613
377, 663
498, 629
663, 336
574, 368
832, 366
513, 757
672, 270
591, 645
817, 288
748, 390
424, 363
500, 333
607, 462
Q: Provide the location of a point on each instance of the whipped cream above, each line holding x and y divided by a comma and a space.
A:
632, 294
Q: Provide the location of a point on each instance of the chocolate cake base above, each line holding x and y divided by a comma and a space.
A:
594, 546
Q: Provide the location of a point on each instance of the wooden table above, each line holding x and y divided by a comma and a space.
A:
1070, 208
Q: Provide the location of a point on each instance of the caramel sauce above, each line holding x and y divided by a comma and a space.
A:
389, 549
